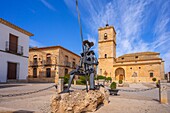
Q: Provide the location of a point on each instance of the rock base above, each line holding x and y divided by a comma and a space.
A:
79, 101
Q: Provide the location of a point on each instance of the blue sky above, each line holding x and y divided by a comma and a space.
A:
141, 25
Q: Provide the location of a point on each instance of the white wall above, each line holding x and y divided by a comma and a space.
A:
22, 70
23, 40
5, 57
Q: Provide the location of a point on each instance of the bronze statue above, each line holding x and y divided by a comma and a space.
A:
87, 62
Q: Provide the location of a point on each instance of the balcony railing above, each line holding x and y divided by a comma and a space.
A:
47, 62
13, 48
33, 63
44, 74
67, 64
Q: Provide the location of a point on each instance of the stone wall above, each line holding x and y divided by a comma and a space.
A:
57, 64
142, 63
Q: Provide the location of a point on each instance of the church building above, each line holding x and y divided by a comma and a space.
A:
132, 67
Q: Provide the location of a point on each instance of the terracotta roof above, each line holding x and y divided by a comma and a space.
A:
15, 27
140, 54
52, 47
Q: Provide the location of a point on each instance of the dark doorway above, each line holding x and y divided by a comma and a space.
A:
12, 70
66, 71
34, 72
48, 72
13, 43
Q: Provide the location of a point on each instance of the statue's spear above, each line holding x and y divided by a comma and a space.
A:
81, 35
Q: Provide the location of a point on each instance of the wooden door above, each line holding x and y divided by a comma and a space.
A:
48, 72
12, 70
13, 43
120, 77
34, 72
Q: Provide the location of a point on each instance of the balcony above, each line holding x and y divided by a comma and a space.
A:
43, 74
13, 48
47, 62
67, 64
33, 63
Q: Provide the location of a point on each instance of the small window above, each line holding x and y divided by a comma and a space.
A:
139, 67
151, 74
123, 58
105, 55
105, 36
131, 68
136, 56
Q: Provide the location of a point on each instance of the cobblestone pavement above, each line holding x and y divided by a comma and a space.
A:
39, 102
128, 102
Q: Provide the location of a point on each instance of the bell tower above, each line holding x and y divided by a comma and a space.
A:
106, 50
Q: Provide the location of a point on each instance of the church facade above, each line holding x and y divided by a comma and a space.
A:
133, 67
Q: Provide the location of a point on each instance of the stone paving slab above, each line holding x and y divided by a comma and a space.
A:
127, 102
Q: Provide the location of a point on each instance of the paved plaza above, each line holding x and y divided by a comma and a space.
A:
127, 102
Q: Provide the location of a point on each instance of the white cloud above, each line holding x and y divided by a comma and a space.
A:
34, 43
130, 18
48, 5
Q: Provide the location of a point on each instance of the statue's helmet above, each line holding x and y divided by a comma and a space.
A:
90, 44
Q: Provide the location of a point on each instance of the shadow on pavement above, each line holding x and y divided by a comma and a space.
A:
8, 86
19, 111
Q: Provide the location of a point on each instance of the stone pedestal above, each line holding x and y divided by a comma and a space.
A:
60, 86
96, 82
79, 101
163, 97
74, 81
101, 81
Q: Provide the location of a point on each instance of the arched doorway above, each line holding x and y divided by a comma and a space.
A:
120, 74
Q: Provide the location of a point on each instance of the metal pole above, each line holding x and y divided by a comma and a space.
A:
81, 34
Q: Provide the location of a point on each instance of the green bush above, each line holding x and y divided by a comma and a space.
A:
113, 85
154, 79
101, 77
66, 78
108, 78
79, 82
120, 81
82, 79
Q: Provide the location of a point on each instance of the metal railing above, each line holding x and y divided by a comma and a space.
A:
67, 64
47, 62
33, 63
13, 48
42, 74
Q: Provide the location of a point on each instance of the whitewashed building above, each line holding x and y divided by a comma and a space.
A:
14, 48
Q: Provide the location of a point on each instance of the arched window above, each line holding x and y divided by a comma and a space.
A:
35, 62
105, 36
48, 58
